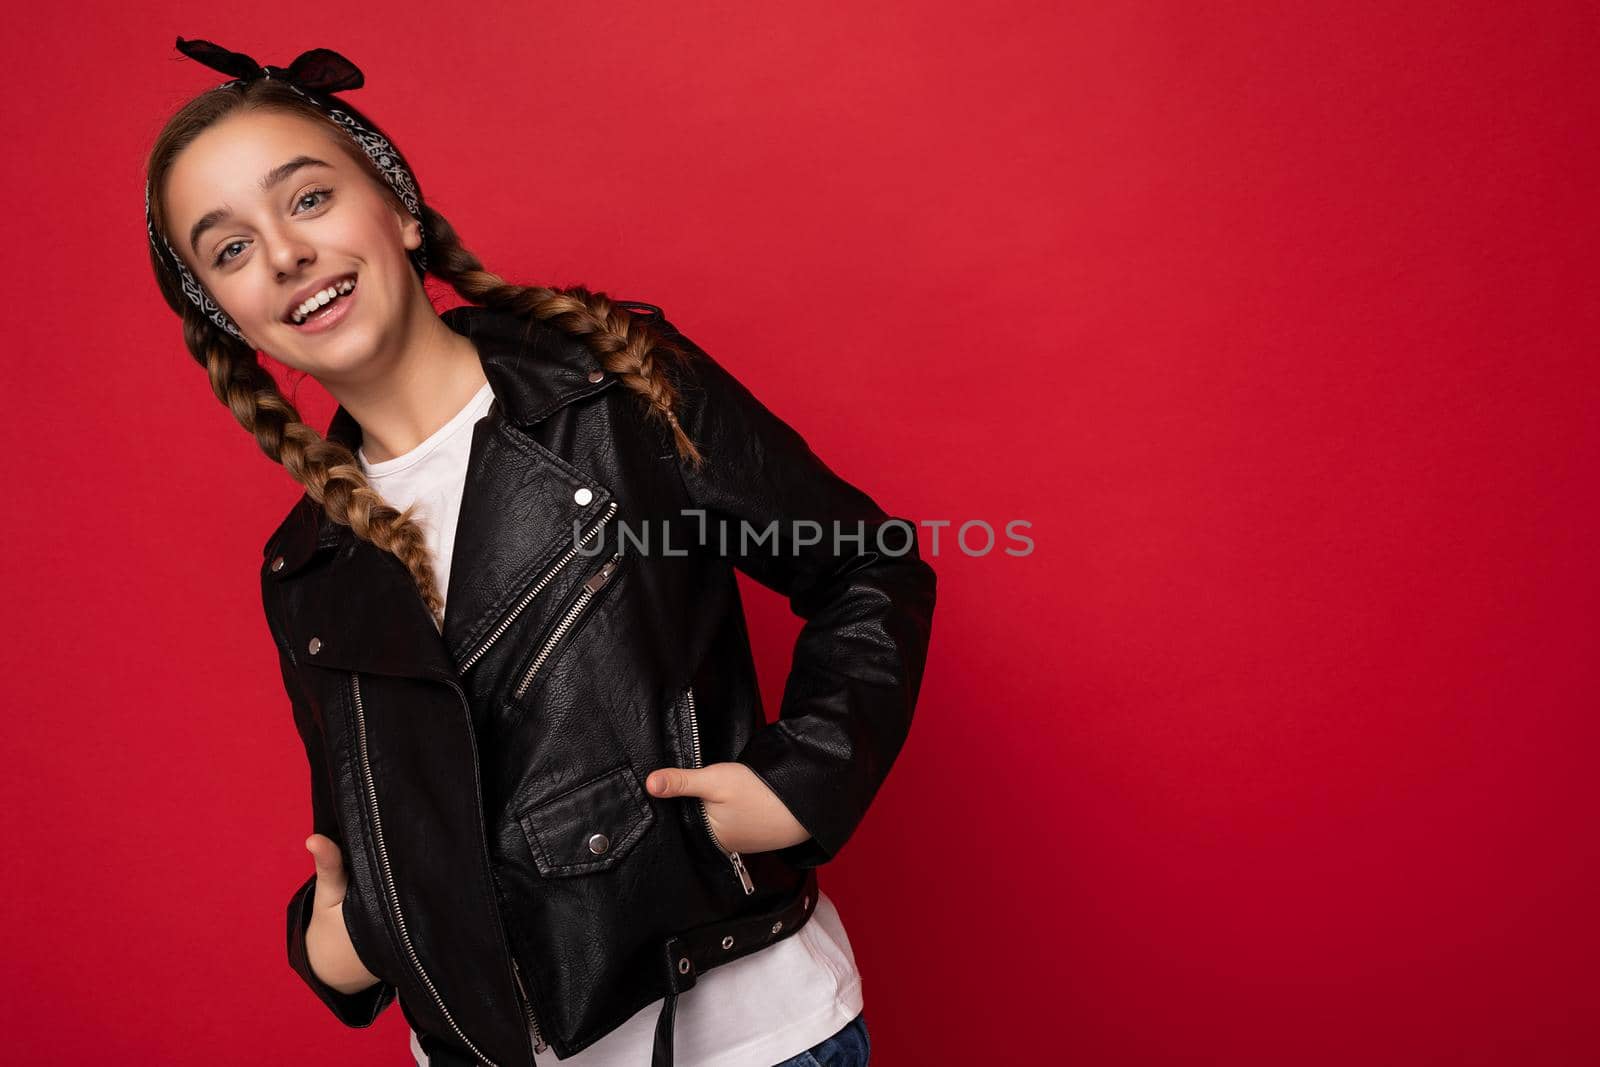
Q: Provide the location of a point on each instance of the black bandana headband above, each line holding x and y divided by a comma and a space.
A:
313, 74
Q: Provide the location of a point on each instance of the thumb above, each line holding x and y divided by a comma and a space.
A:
676, 782
331, 878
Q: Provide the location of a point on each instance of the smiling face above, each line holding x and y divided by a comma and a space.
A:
267, 208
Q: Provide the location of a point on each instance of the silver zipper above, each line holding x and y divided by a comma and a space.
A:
590, 588
388, 874
694, 761
539, 1043
533, 1022
534, 590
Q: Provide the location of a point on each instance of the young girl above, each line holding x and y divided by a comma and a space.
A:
552, 821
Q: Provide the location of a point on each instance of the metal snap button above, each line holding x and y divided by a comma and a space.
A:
683, 965
599, 843
583, 496
727, 942
315, 646
277, 564
777, 926
596, 375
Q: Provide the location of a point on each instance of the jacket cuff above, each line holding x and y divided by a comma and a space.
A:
353, 1009
809, 789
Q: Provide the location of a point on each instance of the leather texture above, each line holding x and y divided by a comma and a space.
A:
486, 784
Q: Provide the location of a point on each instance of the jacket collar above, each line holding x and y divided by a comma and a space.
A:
533, 369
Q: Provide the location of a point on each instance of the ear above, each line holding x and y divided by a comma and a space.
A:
411, 232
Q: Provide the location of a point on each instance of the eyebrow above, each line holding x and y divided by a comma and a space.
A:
271, 178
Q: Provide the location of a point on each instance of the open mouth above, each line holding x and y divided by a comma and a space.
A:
323, 307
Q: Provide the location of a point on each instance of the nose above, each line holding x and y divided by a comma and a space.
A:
290, 255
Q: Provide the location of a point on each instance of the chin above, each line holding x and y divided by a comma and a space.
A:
342, 357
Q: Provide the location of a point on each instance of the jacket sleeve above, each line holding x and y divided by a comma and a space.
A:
867, 603
353, 1009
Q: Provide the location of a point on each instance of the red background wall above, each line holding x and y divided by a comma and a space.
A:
1278, 327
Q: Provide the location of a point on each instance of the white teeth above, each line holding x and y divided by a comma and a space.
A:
321, 299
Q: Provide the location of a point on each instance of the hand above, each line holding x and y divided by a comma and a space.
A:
745, 814
332, 957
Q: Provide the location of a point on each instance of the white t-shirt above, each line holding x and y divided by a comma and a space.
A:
754, 1011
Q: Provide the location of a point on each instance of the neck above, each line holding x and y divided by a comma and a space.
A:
434, 371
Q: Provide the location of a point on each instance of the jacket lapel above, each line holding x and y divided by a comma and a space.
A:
520, 505
519, 510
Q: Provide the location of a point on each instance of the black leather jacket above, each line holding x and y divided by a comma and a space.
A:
509, 876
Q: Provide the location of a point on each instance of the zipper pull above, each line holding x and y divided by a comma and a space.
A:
601, 576
744, 875
539, 1043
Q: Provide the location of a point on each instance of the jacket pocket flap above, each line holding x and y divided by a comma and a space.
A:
590, 827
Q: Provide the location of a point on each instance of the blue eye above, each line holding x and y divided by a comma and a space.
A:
325, 194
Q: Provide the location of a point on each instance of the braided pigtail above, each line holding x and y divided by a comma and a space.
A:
328, 470
628, 346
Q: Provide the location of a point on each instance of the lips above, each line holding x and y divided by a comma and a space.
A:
311, 290
327, 318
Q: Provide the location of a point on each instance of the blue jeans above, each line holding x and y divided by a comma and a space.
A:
850, 1047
